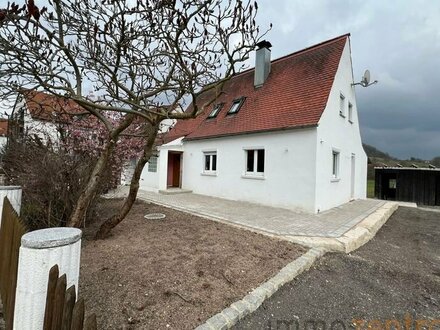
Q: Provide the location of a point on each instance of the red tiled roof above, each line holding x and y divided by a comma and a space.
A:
3, 127
294, 95
42, 106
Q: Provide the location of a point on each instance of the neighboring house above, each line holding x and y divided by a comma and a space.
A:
3, 132
284, 134
40, 114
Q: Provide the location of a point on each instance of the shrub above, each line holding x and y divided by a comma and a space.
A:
52, 178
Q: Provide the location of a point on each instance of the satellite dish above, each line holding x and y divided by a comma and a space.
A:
366, 77
365, 81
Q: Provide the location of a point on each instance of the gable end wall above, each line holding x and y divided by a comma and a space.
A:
337, 133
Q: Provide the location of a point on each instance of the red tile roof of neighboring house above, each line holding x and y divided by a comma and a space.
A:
46, 107
3, 127
294, 95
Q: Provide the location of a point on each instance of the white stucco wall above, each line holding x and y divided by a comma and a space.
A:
149, 180
155, 181
43, 129
289, 176
337, 133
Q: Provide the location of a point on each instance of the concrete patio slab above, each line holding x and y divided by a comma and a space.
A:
338, 229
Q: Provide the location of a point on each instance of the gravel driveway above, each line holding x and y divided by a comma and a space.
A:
389, 283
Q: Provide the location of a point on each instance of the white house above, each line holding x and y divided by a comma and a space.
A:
40, 114
3, 132
285, 134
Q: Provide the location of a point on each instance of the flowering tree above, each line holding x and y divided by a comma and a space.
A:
88, 135
145, 59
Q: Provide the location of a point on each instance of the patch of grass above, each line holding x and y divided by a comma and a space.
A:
370, 188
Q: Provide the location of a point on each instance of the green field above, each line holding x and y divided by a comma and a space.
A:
370, 188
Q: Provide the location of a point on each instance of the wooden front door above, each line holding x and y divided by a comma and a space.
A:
174, 160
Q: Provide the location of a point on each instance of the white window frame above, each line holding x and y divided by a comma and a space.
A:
215, 110
210, 154
254, 173
350, 112
152, 166
341, 105
236, 106
336, 164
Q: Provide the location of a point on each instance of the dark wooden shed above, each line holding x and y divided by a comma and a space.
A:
406, 184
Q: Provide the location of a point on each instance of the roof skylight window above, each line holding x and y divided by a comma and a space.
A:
236, 105
215, 110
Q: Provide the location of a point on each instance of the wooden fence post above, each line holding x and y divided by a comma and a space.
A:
11, 232
62, 311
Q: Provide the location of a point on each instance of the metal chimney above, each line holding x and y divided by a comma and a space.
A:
262, 63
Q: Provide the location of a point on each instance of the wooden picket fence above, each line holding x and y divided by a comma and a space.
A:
63, 311
11, 231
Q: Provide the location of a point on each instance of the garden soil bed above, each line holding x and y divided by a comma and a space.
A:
172, 273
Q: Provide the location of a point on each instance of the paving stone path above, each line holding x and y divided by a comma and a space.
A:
278, 221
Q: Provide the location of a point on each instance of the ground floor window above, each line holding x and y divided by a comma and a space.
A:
255, 161
152, 164
210, 159
335, 166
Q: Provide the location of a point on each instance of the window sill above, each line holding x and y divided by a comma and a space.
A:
335, 180
253, 177
350, 121
342, 115
208, 174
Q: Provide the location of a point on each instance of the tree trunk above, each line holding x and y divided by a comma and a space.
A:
82, 205
112, 222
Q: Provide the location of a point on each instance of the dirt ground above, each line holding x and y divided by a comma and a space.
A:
396, 276
173, 273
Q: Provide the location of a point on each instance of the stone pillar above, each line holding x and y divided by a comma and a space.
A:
14, 195
39, 251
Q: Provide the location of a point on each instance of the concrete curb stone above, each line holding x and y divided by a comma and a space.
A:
239, 309
355, 237
218, 322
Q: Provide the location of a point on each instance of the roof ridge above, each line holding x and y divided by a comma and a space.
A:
304, 50
318, 45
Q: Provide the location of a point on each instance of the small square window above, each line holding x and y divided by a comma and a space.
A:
335, 165
236, 105
215, 110
210, 162
255, 161
392, 184
350, 112
341, 105
152, 164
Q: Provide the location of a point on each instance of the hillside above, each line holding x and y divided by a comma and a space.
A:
373, 152
379, 158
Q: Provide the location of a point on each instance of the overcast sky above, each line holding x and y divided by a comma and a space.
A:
399, 41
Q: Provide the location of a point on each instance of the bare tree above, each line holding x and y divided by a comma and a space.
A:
143, 58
